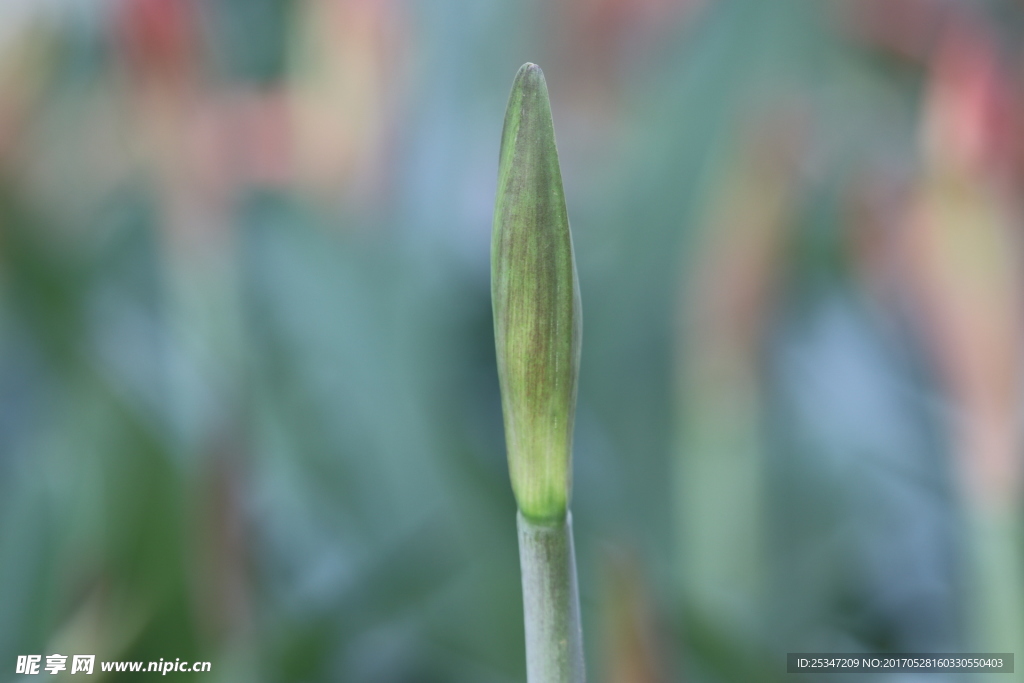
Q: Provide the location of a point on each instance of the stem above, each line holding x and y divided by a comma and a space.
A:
551, 602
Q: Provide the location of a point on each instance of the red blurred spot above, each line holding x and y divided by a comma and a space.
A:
157, 38
970, 106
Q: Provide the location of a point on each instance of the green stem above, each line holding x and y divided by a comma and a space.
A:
551, 603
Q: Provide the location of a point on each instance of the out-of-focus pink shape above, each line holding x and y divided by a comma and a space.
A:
158, 39
258, 123
962, 250
734, 282
969, 122
593, 43
350, 76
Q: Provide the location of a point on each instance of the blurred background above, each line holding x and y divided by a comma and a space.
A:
249, 409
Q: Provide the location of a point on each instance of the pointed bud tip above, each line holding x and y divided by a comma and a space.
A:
529, 75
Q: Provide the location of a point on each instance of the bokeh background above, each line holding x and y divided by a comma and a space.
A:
249, 410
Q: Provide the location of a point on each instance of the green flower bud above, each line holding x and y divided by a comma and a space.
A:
536, 301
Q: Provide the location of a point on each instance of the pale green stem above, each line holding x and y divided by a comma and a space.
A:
551, 603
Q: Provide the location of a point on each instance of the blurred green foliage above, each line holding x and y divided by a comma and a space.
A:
249, 409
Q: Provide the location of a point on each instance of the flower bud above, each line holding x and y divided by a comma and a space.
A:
536, 301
